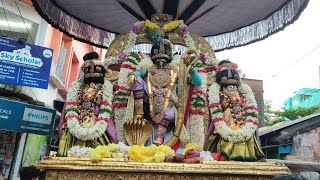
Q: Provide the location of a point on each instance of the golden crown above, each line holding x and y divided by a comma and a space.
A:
161, 19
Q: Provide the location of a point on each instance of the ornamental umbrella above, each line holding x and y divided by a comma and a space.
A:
224, 23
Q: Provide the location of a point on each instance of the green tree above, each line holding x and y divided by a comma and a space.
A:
292, 114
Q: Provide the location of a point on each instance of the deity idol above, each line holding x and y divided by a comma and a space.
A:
154, 90
86, 116
234, 117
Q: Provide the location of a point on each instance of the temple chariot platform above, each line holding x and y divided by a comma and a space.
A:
60, 168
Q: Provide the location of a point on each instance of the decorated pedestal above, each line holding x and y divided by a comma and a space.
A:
113, 168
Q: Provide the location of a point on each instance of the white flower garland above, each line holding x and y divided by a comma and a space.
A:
212, 61
206, 155
79, 152
175, 60
146, 62
132, 38
110, 60
123, 75
72, 116
119, 151
221, 128
186, 34
196, 121
191, 45
120, 113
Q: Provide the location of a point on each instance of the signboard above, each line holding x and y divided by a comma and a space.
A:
22, 117
34, 150
24, 64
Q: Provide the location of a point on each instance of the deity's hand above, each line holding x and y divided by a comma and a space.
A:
139, 117
209, 132
131, 80
196, 79
192, 70
174, 99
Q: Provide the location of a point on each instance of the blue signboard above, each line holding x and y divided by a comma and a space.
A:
24, 64
22, 117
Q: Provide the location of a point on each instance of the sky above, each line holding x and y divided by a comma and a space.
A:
286, 61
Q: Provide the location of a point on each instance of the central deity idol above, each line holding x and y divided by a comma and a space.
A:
154, 90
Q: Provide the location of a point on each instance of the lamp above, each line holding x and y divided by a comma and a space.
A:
15, 24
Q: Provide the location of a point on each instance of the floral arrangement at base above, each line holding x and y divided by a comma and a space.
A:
151, 153
207, 156
79, 152
191, 146
119, 150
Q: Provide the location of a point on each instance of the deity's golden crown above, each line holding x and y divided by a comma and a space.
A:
161, 19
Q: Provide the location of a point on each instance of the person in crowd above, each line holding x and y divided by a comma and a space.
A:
29, 173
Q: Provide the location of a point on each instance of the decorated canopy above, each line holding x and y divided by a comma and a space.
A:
225, 23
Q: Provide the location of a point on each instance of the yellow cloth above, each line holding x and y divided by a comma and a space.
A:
244, 151
67, 141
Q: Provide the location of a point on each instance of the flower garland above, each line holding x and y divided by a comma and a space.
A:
195, 124
132, 38
206, 155
79, 152
137, 153
151, 153
251, 111
190, 44
86, 132
186, 35
119, 150
122, 92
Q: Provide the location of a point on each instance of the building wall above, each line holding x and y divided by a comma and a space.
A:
257, 88
304, 97
307, 145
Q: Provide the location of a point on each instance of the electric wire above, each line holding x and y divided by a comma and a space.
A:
299, 59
